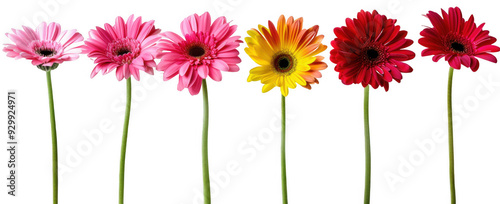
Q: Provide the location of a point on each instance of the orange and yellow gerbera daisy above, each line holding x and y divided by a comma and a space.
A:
286, 55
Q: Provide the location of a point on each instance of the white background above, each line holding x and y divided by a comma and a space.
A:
325, 129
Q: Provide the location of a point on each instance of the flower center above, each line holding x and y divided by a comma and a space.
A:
45, 48
372, 54
284, 63
458, 44
123, 51
46, 52
459, 47
196, 51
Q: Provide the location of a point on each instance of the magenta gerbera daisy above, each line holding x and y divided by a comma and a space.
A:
460, 42
370, 50
47, 46
206, 49
127, 47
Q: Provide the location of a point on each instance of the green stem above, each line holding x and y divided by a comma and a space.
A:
55, 180
450, 137
124, 140
283, 151
204, 146
368, 162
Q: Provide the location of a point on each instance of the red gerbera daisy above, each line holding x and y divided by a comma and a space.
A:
457, 40
369, 50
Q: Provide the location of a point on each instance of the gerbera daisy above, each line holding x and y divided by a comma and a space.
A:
370, 50
460, 42
206, 49
286, 55
45, 47
127, 47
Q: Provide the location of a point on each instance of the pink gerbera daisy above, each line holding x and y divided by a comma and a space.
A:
206, 50
126, 47
46, 47
460, 42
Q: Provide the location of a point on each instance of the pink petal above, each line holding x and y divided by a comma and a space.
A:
215, 74
184, 68
120, 27
133, 28
204, 23
465, 59
135, 72
454, 62
474, 64
220, 65
203, 71
488, 48
487, 56
172, 36
436, 58
195, 88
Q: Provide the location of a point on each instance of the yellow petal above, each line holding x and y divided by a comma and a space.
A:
260, 70
290, 82
253, 77
269, 79
280, 81
297, 78
267, 87
306, 60
284, 90
303, 67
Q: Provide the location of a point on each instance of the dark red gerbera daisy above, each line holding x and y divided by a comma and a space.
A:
457, 40
369, 50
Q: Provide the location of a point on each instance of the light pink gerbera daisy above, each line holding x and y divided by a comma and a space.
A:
45, 47
126, 47
206, 50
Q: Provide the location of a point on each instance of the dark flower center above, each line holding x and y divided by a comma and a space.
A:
196, 51
457, 47
372, 54
122, 51
46, 52
283, 63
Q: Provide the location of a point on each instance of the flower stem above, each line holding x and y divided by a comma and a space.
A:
450, 137
55, 180
283, 151
124, 140
367, 147
204, 146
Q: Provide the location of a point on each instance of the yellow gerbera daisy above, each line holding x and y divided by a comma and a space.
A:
286, 55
